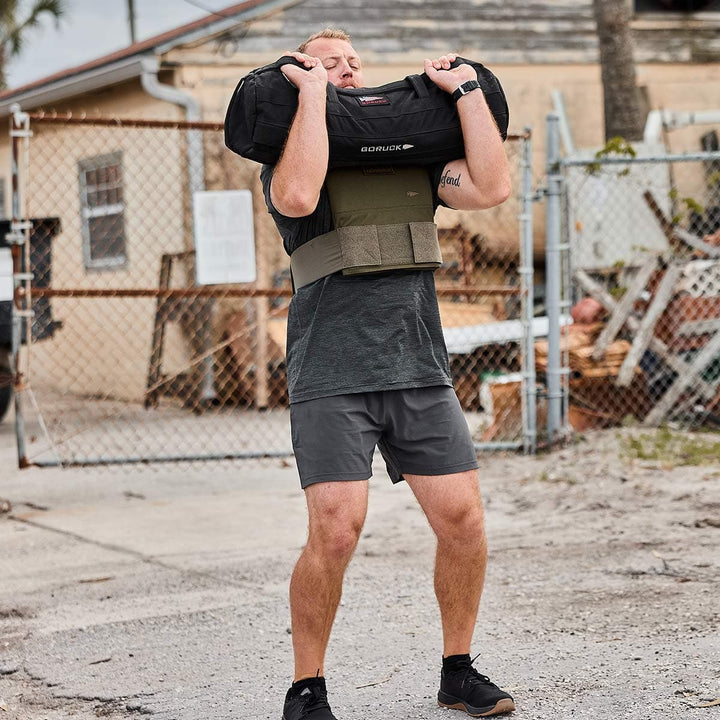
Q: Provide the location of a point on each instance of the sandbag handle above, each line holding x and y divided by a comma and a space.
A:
477, 67
460, 61
418, 85
290, 60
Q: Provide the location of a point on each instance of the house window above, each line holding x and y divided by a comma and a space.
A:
103, 211
677, 6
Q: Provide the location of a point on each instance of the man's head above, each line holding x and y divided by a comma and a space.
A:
334, 48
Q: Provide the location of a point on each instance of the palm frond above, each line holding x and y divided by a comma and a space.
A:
56, 8
8, 12
12, 31
14, 41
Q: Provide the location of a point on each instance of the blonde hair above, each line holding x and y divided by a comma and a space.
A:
329, 32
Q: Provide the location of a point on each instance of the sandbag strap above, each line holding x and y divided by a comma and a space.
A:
366, 249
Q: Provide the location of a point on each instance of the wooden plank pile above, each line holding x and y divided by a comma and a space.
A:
646, 325
580, 342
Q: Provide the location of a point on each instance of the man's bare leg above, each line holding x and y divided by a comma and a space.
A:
453, 507
336, 513
454, 510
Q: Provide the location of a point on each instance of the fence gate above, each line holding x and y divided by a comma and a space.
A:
141, 337
633, 236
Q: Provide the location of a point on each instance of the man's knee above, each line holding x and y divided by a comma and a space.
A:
337, 516
336, 538
463, 523
452, 504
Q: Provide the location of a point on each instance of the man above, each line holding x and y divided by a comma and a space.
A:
367, 366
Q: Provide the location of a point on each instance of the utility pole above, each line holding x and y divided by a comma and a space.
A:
131, 20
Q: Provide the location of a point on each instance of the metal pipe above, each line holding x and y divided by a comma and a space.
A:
526, 271
657, 120
565, 133
639, 160
139, 460
193, 112
68, 118
499, 446
19, 131
566, 264
214, 291
195, 161
552, 282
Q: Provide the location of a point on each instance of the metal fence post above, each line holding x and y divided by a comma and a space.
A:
526, 271
553, 276
18, 239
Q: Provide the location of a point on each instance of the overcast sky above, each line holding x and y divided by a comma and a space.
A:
92, 28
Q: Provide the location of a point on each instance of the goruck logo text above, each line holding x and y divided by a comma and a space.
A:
384, 148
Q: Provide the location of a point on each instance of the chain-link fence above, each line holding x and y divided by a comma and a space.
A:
641, 231
160, 292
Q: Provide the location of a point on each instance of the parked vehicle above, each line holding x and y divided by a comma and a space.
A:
6, 290
43, 325
5, 381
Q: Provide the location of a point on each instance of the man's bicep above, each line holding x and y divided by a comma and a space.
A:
455, 187
273, 201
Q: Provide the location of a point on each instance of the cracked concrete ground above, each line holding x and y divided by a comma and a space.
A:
163, 592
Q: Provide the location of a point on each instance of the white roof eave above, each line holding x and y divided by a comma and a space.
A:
81, 83
128, 68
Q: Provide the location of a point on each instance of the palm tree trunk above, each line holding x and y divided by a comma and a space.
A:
622, 102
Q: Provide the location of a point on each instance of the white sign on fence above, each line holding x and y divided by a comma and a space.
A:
224, 237
6, 273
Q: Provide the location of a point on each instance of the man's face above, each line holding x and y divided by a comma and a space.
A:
339, 59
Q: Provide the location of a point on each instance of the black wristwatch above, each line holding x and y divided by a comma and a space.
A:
465, 88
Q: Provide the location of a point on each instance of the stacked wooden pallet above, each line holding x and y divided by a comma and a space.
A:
579, 343
581, 359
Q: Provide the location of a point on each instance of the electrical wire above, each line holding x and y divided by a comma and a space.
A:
206, 9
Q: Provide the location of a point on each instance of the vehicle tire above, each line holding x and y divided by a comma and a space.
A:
6, 390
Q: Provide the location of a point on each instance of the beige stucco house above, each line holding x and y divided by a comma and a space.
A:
142, 179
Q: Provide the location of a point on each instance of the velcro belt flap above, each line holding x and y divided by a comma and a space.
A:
402, 246
425, 245
360, 246
365, 249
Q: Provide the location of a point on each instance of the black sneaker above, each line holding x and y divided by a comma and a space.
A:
311, 702
466, 689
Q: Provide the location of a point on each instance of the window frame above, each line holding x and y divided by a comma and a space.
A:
87, 212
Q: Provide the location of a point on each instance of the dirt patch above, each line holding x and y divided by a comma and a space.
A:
600, 601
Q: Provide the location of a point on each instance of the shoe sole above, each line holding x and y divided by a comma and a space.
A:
501, 707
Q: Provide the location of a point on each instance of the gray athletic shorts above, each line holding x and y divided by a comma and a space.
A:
421, 431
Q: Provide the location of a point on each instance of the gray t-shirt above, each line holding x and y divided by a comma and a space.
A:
350, 334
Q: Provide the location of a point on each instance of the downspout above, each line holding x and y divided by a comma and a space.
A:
195, 162
168, 93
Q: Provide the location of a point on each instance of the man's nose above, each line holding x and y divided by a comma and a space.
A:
346, 69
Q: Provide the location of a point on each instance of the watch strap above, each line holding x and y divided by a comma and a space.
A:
465, 88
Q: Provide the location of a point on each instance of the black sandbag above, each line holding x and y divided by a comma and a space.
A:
406, 122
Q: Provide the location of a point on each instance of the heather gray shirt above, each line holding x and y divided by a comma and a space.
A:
350, 334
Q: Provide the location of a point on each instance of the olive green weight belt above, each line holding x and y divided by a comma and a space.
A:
365, 249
